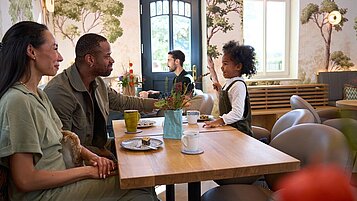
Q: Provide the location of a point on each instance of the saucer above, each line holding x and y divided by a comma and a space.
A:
137, 131
199, 151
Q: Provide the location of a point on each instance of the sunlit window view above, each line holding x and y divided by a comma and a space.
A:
160, 32
264, 28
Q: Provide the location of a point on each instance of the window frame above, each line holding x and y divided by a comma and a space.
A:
291, 43
196, 46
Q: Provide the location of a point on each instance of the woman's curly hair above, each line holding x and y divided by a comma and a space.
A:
243, 54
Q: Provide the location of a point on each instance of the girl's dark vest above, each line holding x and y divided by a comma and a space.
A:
225, 106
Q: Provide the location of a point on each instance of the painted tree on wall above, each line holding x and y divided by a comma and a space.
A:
319, 15
339, 61
217, 20
355, 26
20, 10
100, 16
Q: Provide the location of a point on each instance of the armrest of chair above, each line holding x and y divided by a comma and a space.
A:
261, 133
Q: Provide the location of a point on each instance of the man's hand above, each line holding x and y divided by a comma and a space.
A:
145, 94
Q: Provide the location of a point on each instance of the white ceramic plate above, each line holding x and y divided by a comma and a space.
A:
136, 145
145, 123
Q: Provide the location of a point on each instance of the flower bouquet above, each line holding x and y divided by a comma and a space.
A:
128, 81
176, 100
173, 105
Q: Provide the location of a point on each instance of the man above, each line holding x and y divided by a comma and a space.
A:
81, 98
175, 59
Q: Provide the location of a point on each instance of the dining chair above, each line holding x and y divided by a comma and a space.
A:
296, 102
207, 104
289, 119
348, 127
311, 143
335, 113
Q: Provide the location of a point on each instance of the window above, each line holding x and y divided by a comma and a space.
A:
167, 25
160, 32
267, 27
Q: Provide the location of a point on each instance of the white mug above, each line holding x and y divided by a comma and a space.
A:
192, 116
190, 141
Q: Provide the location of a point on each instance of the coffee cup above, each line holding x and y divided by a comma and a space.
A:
190, 141
192, 116
131, 118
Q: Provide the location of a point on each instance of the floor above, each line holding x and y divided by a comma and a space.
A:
181, 190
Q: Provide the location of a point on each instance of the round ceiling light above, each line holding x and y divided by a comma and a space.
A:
334, 17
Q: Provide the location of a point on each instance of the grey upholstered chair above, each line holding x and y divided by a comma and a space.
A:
207, 104
289, 119
348, 127
310, 143
296, 102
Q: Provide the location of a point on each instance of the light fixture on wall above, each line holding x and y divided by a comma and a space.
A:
334, 17
50, 5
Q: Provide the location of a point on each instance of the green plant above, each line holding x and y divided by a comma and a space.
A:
176, 100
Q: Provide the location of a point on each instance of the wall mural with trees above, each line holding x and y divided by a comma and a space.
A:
224, 21
20, 10
77, 17
319, 15
217, 20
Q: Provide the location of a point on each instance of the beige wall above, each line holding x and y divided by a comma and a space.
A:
127, 47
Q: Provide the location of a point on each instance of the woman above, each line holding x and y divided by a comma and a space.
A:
30, 130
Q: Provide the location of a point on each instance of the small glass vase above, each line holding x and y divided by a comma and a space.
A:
129, 90
173, 124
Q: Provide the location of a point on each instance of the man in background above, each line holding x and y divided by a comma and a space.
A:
175, 59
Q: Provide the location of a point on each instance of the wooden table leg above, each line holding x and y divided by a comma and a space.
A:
170, 192
194, 191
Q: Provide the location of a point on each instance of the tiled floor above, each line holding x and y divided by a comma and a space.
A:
181, 190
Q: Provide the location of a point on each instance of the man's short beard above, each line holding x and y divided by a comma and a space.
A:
106, 74
172, 69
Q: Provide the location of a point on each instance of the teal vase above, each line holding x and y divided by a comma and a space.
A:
173, 124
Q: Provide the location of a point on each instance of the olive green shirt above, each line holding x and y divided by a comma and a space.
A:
29, 124
75, 105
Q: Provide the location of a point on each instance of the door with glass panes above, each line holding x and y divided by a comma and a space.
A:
168, 25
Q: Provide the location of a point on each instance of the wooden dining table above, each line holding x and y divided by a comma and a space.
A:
156, 129
347, 104
228, 153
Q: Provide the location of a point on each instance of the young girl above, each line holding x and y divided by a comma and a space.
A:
234, 105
